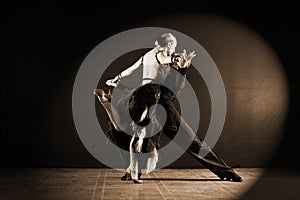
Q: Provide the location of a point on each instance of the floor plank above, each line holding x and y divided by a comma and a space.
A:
98, 184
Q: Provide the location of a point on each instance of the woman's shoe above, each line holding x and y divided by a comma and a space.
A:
102, 96
126, 177
137, 181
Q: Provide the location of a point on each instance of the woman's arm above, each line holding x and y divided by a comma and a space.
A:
114, 82
131, 69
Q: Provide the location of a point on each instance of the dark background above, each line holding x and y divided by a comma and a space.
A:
43, 44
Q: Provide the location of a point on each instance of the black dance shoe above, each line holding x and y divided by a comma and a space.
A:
126, 177
137, 181
230, 176
103, 97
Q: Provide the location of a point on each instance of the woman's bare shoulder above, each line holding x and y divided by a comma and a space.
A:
151, 52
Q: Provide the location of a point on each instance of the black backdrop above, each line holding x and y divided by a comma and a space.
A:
43, 44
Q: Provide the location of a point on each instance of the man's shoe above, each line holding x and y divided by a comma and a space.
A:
230, 176
235, 178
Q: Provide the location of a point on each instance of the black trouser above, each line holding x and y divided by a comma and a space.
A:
211, 161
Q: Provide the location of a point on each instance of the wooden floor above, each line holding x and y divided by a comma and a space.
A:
93, 184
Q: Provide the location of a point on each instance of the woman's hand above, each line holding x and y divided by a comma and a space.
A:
186, 60
113, 82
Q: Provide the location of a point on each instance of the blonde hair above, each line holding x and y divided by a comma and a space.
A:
164, 39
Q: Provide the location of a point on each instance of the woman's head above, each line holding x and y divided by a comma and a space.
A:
167, 41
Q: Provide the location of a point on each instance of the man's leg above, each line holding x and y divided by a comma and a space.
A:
211, 161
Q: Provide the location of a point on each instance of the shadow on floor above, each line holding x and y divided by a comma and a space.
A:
180, 179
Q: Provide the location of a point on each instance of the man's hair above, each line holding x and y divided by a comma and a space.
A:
164, 39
